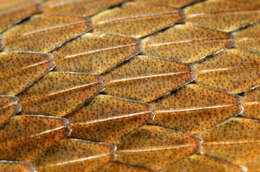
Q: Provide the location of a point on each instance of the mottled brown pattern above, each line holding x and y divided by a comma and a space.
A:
95, 53
14, 166
13, 11
108, 118
169, 3
197, 163
193, 109
58, 94
43, 33
19, 71
8, 107
232, 70
235, 140
185, 43
248, 39
132, 17
154, 147
251, 103
222, 14
138, 78
74, 155
80, 8
25, 136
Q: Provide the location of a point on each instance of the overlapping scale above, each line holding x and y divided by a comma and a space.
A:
235, 140
185, 43
74, 155
8, 107
154, 147
59, 93
25, 136
140, 77
12, 12
170, 3
43, 33
251, 103
197, 163
116, 166
108, 118
193, 109
15, 166
248, 39
232, 70
218, 14
80, 8
95, 53
133, 17
19, 71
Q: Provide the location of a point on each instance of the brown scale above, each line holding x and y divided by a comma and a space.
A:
19, 71
108, 118
103, 59
94, 53
43, 33
10, 166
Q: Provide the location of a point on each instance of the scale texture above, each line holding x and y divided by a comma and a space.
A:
129, 85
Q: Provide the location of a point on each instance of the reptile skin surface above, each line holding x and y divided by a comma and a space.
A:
129, 86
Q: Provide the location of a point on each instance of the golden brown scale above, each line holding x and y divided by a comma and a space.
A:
95, 53
11, 166
108, 118
8, 107
59, 94
25, 136
235, 140
185, 43
133, 17
140, 77
193, 109
223, 15
169, 3
154, 147
248, 39
82, 8
232, 70
74, 155
197, 163
13, 11
43, 33
251, 103
19, 71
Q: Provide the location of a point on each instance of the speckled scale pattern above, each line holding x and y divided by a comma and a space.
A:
251, 103
58, 94
19, 71
74, 154
138, 78
95, 53
22, 142
9, 106
108, 118
194, 108
132, 17
14, 11
185, 43
43, 33
129, 85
